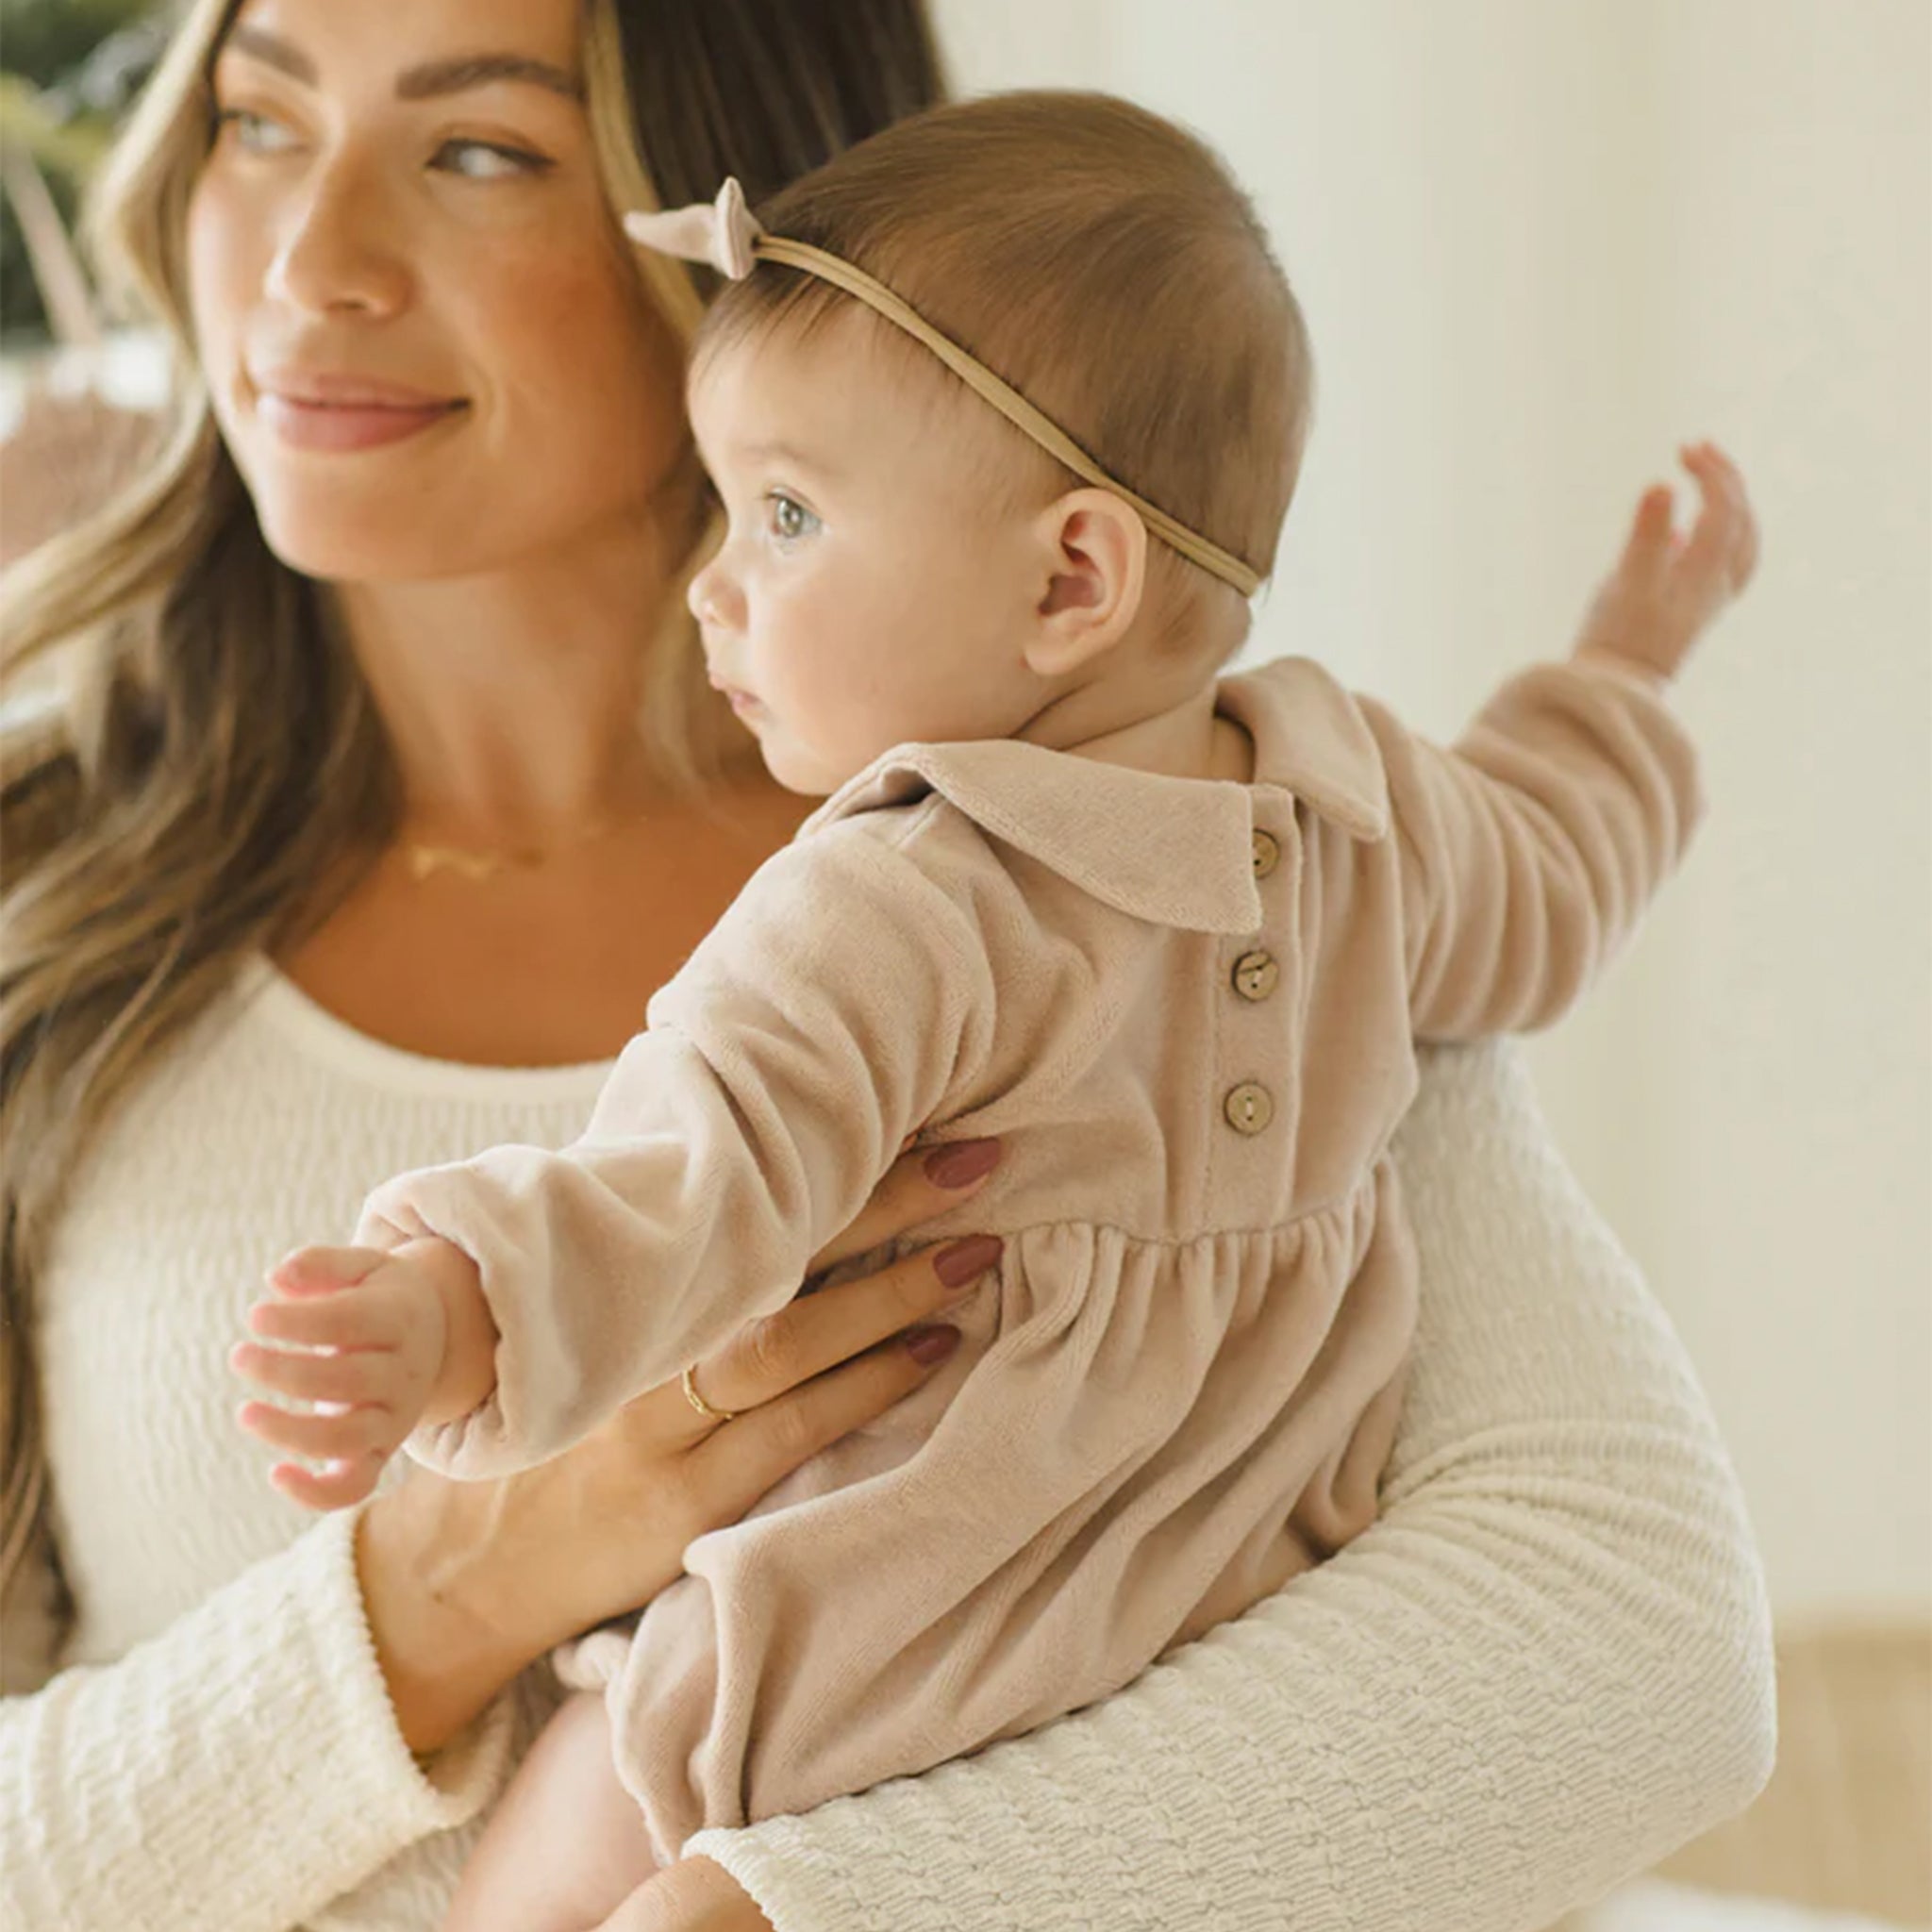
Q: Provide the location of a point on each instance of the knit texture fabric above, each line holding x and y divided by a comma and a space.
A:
1546, 1667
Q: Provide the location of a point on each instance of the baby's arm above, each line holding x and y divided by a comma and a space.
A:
408, 1338
1530, 851
845, 996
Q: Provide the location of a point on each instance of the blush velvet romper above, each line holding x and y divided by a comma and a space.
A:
1188, 1009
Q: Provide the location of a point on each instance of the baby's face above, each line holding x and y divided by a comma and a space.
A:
874, 585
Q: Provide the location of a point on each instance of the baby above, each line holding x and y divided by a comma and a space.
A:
1171, 937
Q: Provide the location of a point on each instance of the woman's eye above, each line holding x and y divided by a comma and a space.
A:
790, 520
487, 160
255, 134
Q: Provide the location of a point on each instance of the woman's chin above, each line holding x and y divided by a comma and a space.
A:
360, 544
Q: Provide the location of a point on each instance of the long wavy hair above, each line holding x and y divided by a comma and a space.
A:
213, 753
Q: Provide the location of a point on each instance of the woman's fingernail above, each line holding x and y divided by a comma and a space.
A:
961, 1163
966, 1260
930, 1345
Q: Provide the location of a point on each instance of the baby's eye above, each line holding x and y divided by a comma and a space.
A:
790, 520
487, 160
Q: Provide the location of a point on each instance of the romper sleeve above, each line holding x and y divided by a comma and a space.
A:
239, 1769
1545, 1666
1530, 851
821, 1022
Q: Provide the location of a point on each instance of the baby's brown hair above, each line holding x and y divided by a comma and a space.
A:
1104, 263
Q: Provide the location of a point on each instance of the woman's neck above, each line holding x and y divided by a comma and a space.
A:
512, 700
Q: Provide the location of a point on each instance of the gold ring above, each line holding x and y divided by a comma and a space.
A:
698, 1402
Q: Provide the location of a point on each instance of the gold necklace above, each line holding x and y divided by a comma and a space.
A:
423, 859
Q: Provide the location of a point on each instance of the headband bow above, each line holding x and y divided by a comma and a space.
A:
721, 232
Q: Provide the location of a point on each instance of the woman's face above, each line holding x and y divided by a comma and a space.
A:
425, 347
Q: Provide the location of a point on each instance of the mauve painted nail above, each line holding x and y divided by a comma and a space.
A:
963, 1163
930, 1345
957, 1265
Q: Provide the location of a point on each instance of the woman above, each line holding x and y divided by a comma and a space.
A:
350, 853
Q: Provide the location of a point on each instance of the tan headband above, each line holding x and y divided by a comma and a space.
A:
726, 234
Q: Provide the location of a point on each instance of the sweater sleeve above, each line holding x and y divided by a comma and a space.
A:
824, 1018
241, 1768
1547, 1665
1530, 851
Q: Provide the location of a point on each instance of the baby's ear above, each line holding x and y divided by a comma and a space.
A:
1095, 549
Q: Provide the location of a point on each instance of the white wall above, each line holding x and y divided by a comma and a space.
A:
1538, 246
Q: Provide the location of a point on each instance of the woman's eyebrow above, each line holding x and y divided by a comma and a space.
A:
419, 83
480, 70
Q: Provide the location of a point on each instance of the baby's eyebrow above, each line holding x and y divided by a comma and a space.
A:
786, 453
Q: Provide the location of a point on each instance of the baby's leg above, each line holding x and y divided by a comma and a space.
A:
567, 1843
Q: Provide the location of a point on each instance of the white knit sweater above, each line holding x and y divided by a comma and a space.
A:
1547, 1665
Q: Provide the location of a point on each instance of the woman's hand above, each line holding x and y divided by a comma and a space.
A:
1666, 589
467, 1583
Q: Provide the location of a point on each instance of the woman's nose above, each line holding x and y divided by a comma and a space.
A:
333, 256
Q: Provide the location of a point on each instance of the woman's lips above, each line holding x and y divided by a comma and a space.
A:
330, 412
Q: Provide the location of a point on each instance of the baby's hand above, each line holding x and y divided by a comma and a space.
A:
1666, 589
381, 1321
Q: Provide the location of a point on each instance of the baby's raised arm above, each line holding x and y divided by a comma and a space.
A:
1530, 850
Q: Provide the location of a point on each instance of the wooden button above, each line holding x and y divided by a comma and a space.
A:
1266, 855
1254, 974
1249, 1108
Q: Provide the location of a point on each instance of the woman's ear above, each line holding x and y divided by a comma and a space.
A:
1096, 554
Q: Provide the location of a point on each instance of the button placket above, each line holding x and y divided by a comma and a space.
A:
1248, 1106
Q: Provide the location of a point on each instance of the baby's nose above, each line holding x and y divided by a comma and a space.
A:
708, 597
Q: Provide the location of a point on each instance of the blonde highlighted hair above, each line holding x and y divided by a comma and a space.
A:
214, 773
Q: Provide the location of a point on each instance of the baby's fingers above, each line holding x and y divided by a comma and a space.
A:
322, 1271
1718, 560
341, 1486
342, 1320
1647, 553
1743, 558
358, 1432
363, 1375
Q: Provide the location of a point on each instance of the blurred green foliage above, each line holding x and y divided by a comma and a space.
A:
68, 68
